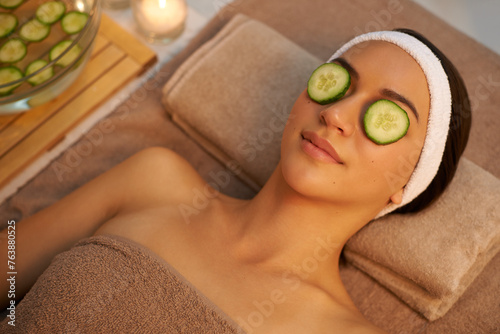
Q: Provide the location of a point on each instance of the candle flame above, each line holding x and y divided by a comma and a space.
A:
163, 3
80, 5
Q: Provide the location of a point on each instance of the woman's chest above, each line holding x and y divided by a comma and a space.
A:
202, 258
255, 300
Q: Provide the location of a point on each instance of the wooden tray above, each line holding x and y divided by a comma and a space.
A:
117, 58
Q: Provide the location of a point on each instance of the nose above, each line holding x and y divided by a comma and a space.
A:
339, 117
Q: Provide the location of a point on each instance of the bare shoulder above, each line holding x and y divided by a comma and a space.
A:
155, 176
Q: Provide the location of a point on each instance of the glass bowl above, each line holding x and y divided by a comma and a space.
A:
26, 96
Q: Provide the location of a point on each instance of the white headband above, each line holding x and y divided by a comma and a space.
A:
439, 112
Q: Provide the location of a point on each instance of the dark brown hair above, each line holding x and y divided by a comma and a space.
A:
458, 134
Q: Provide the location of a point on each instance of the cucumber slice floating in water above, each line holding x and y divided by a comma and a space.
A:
41, 77
69, 57
8, 23
385, 122
34, 31
328, 83
9, 74
12, 51
50, 12
73, 22
10, 4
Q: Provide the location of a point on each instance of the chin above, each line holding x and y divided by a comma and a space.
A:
301, 178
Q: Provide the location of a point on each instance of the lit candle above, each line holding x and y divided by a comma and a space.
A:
160, 19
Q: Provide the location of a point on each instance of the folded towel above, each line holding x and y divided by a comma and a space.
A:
247, 69
429, 258
109, 284
248, 75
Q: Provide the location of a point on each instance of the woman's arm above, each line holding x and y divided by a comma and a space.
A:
58, 227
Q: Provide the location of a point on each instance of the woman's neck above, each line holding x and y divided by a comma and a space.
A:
284, 231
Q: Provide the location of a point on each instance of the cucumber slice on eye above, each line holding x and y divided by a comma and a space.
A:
10, 4
73, 22
328, 83
40, 77
69, 57
12, 51
50, 12
9, 74
385, 122
34, 31
8, 23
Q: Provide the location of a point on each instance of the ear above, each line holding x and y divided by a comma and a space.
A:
397, 198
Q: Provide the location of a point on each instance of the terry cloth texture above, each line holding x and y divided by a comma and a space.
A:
430, 258
235, 93
439, 111
422, 261
108, 284
141, 122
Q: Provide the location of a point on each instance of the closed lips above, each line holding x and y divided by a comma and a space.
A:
322, 144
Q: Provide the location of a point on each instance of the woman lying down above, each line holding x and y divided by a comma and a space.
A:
242, 266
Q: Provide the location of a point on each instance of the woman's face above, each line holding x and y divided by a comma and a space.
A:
363, 173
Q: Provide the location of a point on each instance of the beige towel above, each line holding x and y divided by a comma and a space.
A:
226, 96
430, 258
112, 285
237, 90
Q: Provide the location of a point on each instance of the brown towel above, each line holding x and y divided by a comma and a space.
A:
237, 91
430, 258
107, 284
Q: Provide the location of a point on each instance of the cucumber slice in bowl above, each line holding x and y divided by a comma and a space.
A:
385, 122
41, 77
8, 23
328, 83
34, 31
12, 51
69, 57
9, 74
50, 12
10, 4
73, 22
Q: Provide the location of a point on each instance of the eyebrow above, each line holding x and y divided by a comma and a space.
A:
398, 97
385, 92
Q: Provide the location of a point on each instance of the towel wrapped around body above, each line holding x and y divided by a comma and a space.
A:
108, 284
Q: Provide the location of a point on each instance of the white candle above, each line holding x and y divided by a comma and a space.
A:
160, 16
